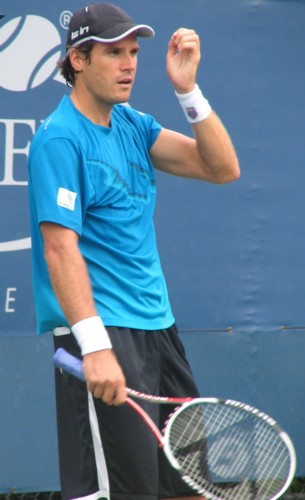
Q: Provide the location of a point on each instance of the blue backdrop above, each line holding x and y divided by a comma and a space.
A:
233, 255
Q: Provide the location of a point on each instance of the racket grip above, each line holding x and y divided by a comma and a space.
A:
68, 363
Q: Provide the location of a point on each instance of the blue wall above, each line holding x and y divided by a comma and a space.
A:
233, 255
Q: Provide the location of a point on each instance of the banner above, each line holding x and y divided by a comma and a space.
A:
233, 255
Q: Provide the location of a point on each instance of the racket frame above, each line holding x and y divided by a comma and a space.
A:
69, 363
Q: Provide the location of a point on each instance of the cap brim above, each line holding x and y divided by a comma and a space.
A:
141, 30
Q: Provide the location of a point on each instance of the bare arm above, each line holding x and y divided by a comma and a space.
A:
210, 155
71, 285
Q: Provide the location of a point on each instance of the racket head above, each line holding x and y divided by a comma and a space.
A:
228, 450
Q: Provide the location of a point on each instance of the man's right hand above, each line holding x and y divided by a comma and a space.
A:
104, 376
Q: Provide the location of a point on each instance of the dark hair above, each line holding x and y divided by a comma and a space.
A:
66, 68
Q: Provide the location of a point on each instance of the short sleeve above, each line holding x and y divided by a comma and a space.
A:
143, 125
57, 183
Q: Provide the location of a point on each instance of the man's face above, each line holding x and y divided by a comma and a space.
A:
109, 76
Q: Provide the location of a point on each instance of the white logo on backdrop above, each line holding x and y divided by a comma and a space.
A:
36, 44
12, 246
30, 47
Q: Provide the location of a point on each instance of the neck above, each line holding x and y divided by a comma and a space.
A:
96, 111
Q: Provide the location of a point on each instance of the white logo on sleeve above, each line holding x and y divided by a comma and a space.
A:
66, 198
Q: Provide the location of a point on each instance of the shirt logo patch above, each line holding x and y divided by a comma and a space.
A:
66, 198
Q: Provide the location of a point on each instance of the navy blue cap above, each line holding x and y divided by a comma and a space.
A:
103, 22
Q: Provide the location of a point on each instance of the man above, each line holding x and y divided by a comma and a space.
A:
96, 269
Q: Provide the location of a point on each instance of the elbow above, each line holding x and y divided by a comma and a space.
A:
232, 167
229, 172
52, 254
234, 171
58, 241
51, 251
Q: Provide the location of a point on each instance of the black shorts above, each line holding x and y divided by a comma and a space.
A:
109, 452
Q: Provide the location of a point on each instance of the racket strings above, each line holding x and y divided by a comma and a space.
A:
226, 453
273, 460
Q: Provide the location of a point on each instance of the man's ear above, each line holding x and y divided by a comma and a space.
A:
77, 59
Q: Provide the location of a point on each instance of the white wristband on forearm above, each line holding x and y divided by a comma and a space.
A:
91, 335
195, 106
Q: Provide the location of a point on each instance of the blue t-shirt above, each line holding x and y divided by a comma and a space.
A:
100, 183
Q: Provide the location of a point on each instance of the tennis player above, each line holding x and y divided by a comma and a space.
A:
97, 278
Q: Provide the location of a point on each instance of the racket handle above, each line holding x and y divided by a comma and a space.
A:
68, 363
74, 366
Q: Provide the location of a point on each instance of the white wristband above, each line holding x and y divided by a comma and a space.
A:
91, 335
195, 106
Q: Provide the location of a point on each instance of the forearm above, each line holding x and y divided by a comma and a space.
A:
71, 285
216, 150
217, 157
211, 156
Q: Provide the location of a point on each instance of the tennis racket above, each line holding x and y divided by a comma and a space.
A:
223, 449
